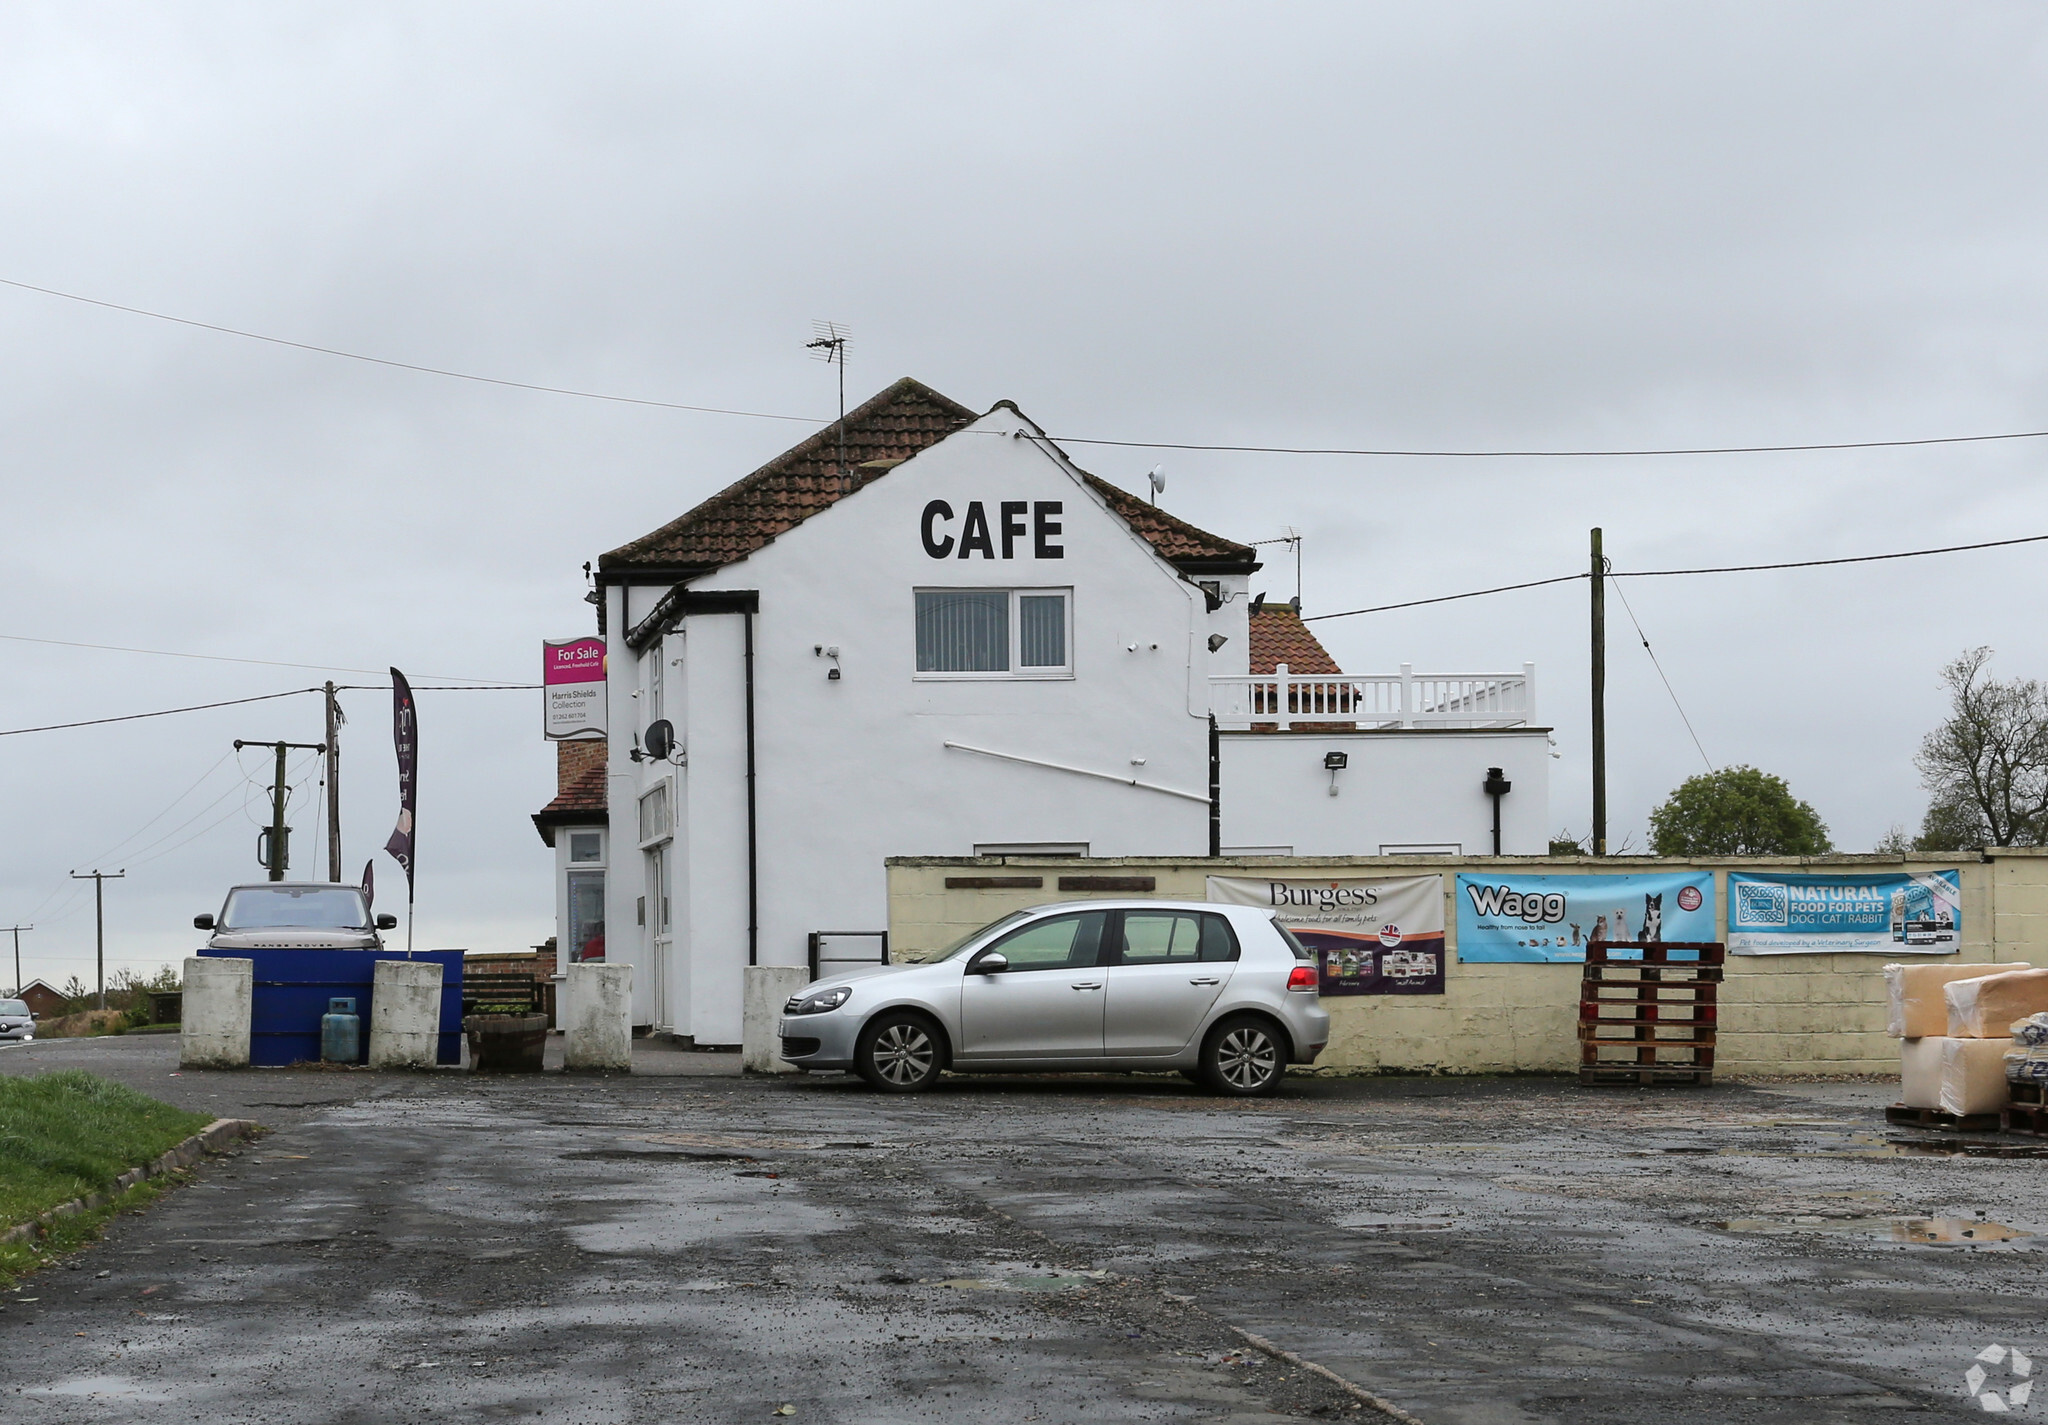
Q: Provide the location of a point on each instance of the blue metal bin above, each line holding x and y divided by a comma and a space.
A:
292, 988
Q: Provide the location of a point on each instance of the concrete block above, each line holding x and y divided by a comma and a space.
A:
405, 1014
219, 996
767, 988
597, 1018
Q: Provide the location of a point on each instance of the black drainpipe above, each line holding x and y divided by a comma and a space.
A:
1496, 786
753, 857
1215, 789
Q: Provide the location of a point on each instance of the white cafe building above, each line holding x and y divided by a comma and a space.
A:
968, 645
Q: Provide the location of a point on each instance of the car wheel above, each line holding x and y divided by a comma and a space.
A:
1244, 1058
899, 1053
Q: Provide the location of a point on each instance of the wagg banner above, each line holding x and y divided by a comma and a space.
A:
1376, 937
572, 679
1860, 915
1549, 919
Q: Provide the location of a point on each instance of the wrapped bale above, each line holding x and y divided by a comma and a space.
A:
2026, 1065
1915, 992
2031, 1032
1959, 1076
1985, 1008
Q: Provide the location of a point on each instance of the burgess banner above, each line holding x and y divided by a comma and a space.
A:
1371, 937
572, 679
1540, 919
1918, 914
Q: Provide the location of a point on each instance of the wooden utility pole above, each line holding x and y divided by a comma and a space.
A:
1599, 837
17, 929
333, 785
99, 881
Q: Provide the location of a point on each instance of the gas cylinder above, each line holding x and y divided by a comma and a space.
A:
340, 1032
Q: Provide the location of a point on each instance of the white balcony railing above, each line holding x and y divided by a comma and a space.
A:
1407, 699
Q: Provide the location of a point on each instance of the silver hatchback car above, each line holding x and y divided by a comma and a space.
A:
1221, 993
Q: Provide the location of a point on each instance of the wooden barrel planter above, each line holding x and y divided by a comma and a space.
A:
506, 1043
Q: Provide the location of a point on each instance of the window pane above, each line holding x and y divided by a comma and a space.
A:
963, 632
1158, 938
583, 846
586, 915
1042, 630
1217, 941
1065, 942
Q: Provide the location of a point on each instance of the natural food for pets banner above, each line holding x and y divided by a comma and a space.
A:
1371, 937
1539, 919
1919, 914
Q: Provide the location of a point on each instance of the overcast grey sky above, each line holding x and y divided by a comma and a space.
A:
1423, 225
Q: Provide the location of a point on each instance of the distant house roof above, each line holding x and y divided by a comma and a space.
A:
580, 797
1279, 636
881, 433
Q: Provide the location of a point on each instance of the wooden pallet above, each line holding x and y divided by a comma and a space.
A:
1946, 1122
1650, 1017
2026, 1118
2030, 1095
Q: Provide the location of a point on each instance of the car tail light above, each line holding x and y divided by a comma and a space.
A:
1303, 977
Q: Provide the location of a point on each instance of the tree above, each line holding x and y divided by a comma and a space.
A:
1986, 767
1737, 811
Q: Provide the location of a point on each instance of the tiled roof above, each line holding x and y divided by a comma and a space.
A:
892, 426
1279, 636
745, 516
1177, 541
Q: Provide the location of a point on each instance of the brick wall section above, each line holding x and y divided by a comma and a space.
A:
577, 758
1780, 1014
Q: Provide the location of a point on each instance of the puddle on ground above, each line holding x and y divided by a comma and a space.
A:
1928, 1231
655, 1155
1046, 1281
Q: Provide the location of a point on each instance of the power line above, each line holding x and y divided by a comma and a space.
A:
1816, 563
163, 712
1449, 598
222, 658
1660, 673
1365, 451
1548, 454
1670, 573
401, 365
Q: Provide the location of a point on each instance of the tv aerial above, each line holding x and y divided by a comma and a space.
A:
828, 344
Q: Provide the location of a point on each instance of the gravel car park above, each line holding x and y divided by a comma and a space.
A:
1222, 994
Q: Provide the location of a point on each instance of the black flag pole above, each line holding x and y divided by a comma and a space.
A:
405, 742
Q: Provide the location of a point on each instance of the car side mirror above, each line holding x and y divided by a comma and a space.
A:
993, 963
202, 922
387, 921
33, 1015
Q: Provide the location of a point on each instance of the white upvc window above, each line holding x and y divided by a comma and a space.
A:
656, 819
995, 633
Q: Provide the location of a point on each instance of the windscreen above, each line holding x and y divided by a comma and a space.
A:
295, 907
13, 1006
972, 936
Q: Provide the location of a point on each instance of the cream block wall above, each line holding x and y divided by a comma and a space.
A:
1779, 1014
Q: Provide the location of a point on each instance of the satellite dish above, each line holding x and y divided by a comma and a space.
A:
660, 738
1156, 478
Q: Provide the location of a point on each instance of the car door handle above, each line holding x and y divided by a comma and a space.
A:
1208, 980
1088, 984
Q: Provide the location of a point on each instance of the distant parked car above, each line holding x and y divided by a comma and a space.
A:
1223, 994
295, 915
16, 1021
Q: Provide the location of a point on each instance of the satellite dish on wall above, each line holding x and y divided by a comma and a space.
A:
660, 739
1156, 478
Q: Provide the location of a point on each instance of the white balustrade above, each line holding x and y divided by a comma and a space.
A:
1284, 699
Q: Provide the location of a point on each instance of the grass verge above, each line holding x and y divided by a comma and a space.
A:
67, 1234
68, 1133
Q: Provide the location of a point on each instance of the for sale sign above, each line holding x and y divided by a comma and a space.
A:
572, 681
1370, 937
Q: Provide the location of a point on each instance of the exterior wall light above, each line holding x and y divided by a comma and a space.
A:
1217, 640
1333, 763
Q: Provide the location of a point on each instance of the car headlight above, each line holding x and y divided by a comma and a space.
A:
819, 1003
